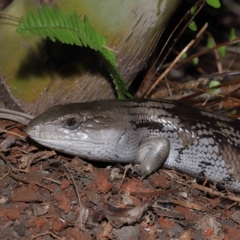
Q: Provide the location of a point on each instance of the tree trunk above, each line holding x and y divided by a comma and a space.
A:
36, 73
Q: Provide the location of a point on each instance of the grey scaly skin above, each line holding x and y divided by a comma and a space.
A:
148, 133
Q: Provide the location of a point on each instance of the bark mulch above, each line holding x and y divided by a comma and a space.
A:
46, 195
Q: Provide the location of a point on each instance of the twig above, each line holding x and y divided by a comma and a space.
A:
45, 233
217, 193
229, 196
9, 168
176, 60
188, 204
169, 50
52, 180
13, 133
77, 193
236, 40
217, 55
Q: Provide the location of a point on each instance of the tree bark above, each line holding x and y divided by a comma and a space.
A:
36, 74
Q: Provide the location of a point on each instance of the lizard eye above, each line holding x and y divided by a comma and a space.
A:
71, 123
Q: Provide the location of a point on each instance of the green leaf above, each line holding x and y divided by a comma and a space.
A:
69, 29
214, 83
234, 112
184, 56
193, 9
214, 3
210, 42
195, 60
232, 34
222, 51
193, 26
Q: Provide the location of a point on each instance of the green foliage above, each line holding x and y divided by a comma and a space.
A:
232, 34
212, 87
193, 9
184, 56
233, 112
223, 49
214, 3
195, 61
56, 24
193, 26
210, 42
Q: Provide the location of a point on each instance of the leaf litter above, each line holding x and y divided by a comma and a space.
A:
46, 195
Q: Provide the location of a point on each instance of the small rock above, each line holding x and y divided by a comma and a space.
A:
236, 216
20, 228
39, 210
128, 232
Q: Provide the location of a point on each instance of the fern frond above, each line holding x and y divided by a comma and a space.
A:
56, 24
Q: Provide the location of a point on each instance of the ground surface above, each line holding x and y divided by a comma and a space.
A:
44, 195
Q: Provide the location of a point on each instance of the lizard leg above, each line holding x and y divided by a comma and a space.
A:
151, 155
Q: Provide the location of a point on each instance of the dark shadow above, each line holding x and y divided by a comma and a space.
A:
4, 4
62, 59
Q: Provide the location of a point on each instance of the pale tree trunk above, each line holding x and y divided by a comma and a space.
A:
36, 74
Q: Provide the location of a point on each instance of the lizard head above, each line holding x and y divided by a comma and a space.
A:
82, 129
